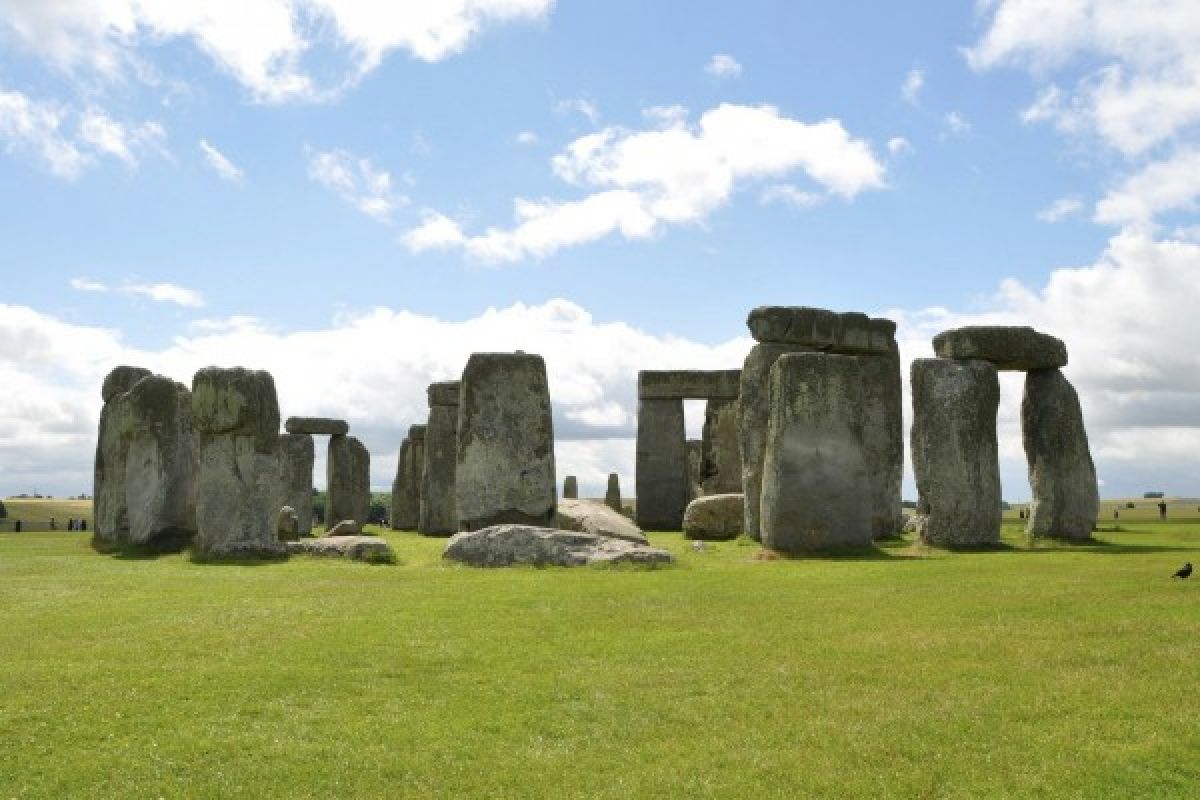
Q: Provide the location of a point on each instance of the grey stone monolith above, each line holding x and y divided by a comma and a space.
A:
1061, 473
112, 449
721, 469
406, 487
661, 479
571, 487
296, 456
695, 455
438, 514
612, 495
505, 457
883, 439
347, 480
160, 486
954, 452
815, 486
235, 416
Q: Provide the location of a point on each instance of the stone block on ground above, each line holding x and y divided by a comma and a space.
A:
590, 516
715, 517
346, 527
528, 545
357, 548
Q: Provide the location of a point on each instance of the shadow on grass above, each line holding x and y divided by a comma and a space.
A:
844, 554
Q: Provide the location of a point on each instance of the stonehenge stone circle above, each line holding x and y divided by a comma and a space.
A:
296, 455
570, 487
715, 517
317, 426
513, 544
112, 449
235, 416
662, 465
815, 486
1061, 473
721, 463
612, 495
347, 480
438, 513
505, 450
954, 451
1007, 347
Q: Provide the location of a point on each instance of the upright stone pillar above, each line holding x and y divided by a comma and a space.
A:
406, 487
815, 477
883, 439
439, 514
570, 488
612, 495
954, 451
235, 415
160, 485
505, 469
721, 470
1061, 473
347, 481
296, 457
111, 525
695, 485
662, 465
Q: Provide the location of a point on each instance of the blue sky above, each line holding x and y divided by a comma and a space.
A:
329, 189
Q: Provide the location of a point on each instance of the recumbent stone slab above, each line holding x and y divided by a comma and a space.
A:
527, 545
317, 425
714, 517
1007, 347
681, 384
590, 516
849, 333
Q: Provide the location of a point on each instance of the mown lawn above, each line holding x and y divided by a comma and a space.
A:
1029, 672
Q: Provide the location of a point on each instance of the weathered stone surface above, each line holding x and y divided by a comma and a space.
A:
112, 451
321, 426
883, 439
296, 455
235, 415
505, 469
1061, 473
688, 383
848, 333
1008, 347
721, 464
715, 517
589, 516
662, 465
358, 548
695, 455
752, 414
815, 487
120, 380
346, 527
443, 393
439, 512
527, 545
405, 512
287, 525
160, 485
612, 495
954, 451
570, 487
347, 480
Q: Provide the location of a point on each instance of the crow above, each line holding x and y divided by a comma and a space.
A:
1183, 571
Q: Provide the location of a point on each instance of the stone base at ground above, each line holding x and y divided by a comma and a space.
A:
589, 516
715, 517
357, 548
528, 545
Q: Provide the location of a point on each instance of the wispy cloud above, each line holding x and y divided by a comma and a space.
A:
158, 292
910, 89
219, 163
723, 65
357, 181
1060, 209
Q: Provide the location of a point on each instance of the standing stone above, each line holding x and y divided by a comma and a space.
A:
662, 465
721, 464
235, 415
160, 486
954, 451
695, 456
571, 488
439, 515
347, 481
612, 495
1061, 473
406, 487
883, 439
287, 525
815, 486
505, 469
112, 450
296, 455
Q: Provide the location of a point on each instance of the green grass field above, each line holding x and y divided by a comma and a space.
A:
1034, 671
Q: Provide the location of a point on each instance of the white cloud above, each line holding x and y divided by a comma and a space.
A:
68, 141
956, 124
356, 181
723, 65
219, 163
1061, 209
641, 180
1167, 185
914, 81
527, 138
158, 292
263, 44
436, 232
578, 105
898, 146
787, 194
672, 116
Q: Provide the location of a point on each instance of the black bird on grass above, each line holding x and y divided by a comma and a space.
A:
1184, 571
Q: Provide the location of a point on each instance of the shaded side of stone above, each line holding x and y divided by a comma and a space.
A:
438, 512
570, 487
883, 440
815, 489
296, 456
317, 426
954, 452
721, 461
695, 462
612, 495
160, 464
1061, 473
661, 465
347, 480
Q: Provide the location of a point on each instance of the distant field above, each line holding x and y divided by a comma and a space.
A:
1033, 671
35, 513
